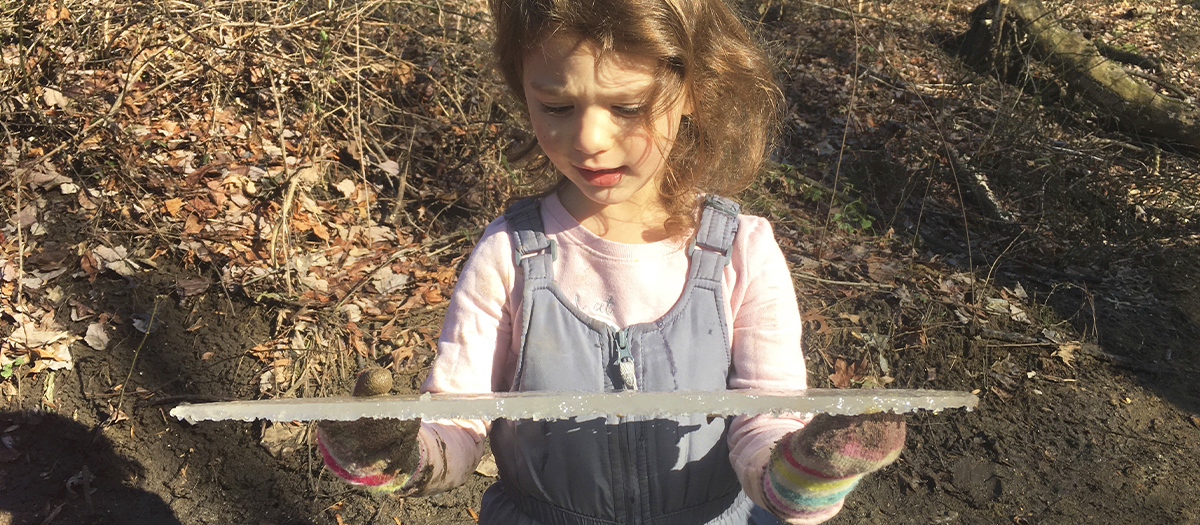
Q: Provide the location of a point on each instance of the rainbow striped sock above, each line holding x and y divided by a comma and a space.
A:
372, 477
813, 469
799, 492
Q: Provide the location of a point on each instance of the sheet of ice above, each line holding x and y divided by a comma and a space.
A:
563, 405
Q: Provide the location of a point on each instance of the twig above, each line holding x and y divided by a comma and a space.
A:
1017, 345
992, 268
19, 299
297, 382
1183, 97
980, 186
358, 137
84, 133
291, 193
1119, 143
1144, 438
257, 278
1076, 153
191, 398
810, 277
440, 9
853, 14
54, 513
837, 171
1128, 57
1117, 360
398, 206
808, 181
396, 256
283, 226
306, 21
172, 80
132, 364
1012, 337
998, 26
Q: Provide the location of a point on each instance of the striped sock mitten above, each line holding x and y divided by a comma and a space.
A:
812, 469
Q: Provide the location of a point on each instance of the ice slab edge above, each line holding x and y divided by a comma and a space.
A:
564, 405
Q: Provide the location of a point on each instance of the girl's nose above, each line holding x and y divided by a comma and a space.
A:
596, 132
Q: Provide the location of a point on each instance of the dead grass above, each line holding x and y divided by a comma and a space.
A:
886, 128
328, 159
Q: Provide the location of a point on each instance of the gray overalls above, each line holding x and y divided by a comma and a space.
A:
619, 470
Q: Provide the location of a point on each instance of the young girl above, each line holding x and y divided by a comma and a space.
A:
632, 274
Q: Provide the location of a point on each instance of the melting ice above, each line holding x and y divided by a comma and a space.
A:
562, 405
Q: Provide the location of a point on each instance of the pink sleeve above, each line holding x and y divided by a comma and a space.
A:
766, 350
475, 355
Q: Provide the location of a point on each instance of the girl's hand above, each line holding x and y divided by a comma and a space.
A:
812, 469
381, 454
840, 446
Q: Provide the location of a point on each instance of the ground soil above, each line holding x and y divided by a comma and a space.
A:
1108, 440
1089, 408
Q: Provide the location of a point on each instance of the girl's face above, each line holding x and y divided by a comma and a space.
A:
588, 116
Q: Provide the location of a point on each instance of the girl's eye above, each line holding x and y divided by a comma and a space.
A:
628, 111
556, 111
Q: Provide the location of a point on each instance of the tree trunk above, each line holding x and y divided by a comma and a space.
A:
1136, 106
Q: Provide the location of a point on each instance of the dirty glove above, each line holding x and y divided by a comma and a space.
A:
380, 454
812, 469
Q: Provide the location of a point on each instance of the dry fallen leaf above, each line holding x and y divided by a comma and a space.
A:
28, 337
192, 286
55, 98
881, 272
192, 225
116, 259
96, 337
846, 372
347, 188
1000, 392
27, 216
283, 438
487, 466
814, 315
355, 335
173, 206
391, 167
432, 295
387, 281
85, 202
401, 358
1066, 352
320, 231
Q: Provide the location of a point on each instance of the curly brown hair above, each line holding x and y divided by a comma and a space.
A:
704, 52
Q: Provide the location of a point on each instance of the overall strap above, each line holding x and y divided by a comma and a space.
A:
532, 251
712, 245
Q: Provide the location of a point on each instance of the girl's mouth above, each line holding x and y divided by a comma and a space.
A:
602, 177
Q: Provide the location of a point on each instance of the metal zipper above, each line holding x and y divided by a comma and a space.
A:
625, 359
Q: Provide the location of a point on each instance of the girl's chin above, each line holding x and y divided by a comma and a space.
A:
592, 196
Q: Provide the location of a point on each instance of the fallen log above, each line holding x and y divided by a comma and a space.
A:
1004, 31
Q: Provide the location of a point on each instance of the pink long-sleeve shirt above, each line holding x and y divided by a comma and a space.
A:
621, 284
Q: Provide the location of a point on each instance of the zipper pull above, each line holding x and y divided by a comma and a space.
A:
625, 359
